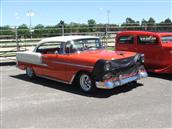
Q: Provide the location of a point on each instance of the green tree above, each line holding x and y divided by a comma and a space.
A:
6, 30
74, 27
83, 28
23, 30
130, 24
165, 25
129, 20
39, 26
92, 25
39, 31
167, 20
151, 24
151, 21
144, 24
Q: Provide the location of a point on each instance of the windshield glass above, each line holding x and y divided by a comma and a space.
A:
166, 39
87, 44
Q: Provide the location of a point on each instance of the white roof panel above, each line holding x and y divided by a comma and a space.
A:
65, 38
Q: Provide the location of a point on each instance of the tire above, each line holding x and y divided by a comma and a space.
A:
30, 73
86, 83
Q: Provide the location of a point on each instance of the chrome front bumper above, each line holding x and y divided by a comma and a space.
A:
120, 82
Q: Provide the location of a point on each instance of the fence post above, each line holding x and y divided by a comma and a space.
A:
16, 36
62, 29
145, 27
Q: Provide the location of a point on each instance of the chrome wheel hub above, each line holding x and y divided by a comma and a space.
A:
85, 82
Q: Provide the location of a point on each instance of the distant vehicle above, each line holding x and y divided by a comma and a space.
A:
81, 59
157, 48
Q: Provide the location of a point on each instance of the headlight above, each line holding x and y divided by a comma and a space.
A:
136, 58
142, 59
107, 66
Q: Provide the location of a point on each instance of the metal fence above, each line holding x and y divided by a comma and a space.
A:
25, 39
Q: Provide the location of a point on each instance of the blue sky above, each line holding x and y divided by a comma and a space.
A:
50, 12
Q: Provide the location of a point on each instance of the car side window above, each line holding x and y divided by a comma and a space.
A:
70, 48
147, 39
129, 39
50, 48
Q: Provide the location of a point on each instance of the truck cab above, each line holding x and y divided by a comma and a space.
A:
156, 47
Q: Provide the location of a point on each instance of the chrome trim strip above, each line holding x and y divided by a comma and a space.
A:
33, 63
71, 80
42, 64
84, 66
57, 80
53, 79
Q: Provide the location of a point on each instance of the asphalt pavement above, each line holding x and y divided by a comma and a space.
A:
42, 103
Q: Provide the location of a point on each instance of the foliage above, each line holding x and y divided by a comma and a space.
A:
130, 24
91, 26
6, 30
23, 31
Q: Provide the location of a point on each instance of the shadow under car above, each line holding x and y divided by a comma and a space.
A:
100, 93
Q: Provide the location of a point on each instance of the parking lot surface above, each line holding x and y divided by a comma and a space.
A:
42, 103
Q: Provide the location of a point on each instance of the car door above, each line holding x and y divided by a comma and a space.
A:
52, 58
150, 46
125, 43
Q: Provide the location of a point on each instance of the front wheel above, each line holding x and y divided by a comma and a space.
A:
85, 83
30, 73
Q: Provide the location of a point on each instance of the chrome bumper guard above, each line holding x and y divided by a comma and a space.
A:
113, 84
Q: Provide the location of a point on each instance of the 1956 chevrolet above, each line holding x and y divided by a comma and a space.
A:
81, 59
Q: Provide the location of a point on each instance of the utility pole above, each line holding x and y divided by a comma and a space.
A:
107, 26
30, 14
108, 20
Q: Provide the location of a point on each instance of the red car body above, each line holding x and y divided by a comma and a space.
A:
68, 58
157, 48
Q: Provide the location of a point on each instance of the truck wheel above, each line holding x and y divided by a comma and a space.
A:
85, 83
30, 73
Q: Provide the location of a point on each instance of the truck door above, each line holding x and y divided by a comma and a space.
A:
150, 46
125, 43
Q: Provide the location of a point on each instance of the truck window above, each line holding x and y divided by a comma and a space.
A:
166, 39
126, 39
147, 39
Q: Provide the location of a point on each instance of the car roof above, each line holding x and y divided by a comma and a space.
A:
136, 32
144, 33
66, 38
165, 34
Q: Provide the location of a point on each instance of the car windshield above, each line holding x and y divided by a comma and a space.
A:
166, 39
87, 44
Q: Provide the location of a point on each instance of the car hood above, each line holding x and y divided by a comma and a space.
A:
105, 54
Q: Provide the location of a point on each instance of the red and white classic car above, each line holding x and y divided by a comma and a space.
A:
156, 47
81, 59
